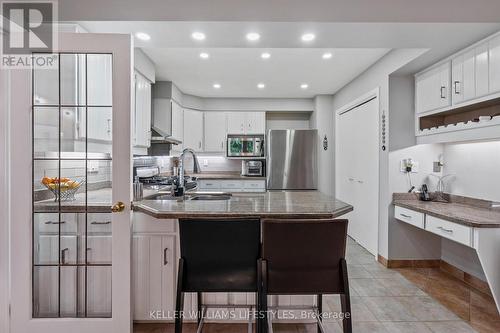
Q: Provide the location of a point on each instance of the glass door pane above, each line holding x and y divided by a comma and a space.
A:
72, 145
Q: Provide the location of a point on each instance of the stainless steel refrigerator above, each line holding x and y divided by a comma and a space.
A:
291, 160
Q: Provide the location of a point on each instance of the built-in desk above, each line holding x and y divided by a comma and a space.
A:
468, 221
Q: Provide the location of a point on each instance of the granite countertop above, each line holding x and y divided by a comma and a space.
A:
466, 211
285, 204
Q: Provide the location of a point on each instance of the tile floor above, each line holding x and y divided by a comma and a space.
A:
389, 301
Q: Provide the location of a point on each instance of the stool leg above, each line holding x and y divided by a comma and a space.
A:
266, 320
345, 299
320, 311
179, 301
258, 299
199, 303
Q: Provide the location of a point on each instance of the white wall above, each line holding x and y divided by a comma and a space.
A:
402, 108
405, 241
475, 168
376, 76
322, 120
144, 65
288, 120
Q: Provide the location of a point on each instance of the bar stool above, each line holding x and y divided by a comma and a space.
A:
305, 257
217, 256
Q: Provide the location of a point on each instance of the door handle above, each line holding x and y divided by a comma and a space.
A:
165, 259
442, 93
118, 207
63, 256
455, 85
99, 223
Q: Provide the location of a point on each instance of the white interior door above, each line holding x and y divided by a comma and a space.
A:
70, 255
357, 168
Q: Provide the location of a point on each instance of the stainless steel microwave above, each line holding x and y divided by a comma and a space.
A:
245, 146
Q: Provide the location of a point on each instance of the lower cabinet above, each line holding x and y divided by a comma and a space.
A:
153, 274
245, 185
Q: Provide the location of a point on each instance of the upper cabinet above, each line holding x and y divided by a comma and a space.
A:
433, 89
460, 93
193, 130
215, 126
246, 122
142, 114
494, 69
177, 125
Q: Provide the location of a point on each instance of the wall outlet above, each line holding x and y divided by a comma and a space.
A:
409, 165
205, 162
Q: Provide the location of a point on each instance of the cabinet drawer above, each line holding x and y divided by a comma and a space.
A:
207, 184
232, 185
454, 231
254, 185
409, 216
143, 223
99, 223
48, 223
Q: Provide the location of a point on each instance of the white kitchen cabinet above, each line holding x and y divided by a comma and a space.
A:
193, 130
246, 122
482, 70
233, 185
464, 77
99, 125
215, 132
236, 122
153, 263
433, 88
177, 125
142, 114
494, 66
255, 122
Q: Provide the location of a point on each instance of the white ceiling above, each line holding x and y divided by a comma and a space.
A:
235, 63
239, 70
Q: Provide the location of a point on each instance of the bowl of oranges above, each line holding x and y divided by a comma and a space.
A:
63, 188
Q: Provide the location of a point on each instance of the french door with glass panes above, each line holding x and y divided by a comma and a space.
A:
70, 171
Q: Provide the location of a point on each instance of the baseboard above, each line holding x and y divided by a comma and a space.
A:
468, 279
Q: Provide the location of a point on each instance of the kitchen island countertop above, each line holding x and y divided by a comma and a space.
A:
277, 204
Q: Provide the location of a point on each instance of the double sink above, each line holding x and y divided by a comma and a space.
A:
191, 196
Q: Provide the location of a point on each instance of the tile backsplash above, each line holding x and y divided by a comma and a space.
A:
208, 163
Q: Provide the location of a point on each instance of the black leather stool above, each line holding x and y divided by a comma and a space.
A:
305, 257
217, 255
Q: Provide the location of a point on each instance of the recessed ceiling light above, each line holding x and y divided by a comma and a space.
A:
304, 86
261, 86
327, 55
308, 37
142, 36
265, 55
216, 85
204, 55
253, 36
198, 35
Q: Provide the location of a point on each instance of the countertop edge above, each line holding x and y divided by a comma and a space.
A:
175, 215
407, 204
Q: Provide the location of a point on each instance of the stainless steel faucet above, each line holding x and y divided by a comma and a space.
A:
196, 167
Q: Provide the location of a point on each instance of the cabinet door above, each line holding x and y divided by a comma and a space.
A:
255, 122
469, 76
193, 130
142, 115
177, 125
236, 122
215, 131
428, 91
494, 68
482, 70
457, 79
444, 86
153, 274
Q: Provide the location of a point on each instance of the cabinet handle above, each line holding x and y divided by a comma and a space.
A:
165, 259
100, 223
404, 215
351, 179
63, 256
442, 93
55, 222
455, 84
199, 144
446, 230
222, 145
360, 181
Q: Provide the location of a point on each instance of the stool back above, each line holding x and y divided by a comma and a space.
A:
220, 255
303, 256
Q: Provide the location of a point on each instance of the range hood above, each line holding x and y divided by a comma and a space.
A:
159, 136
